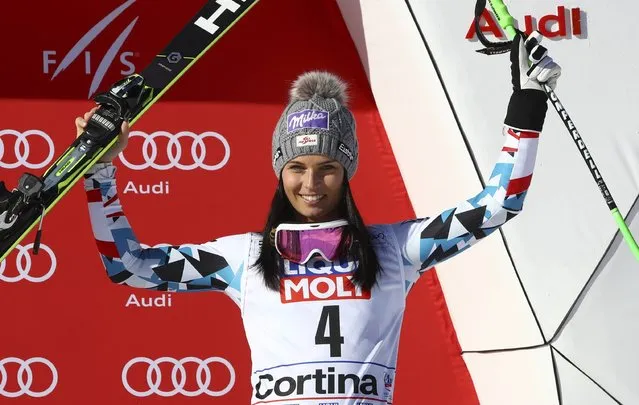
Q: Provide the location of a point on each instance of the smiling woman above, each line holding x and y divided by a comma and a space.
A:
314, 185
323, 295
315, 154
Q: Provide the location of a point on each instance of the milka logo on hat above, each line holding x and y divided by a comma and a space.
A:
305, 140
307, 119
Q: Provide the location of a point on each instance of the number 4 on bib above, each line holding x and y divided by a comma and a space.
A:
328, 330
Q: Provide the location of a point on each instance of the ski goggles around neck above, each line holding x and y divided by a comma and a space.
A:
299, 242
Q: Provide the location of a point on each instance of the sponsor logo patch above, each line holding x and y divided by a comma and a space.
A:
319, 281
306, 140
307, 119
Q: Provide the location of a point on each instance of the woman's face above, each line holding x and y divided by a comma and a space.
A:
313, 185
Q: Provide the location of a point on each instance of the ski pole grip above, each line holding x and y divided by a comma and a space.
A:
506, 21
36, 242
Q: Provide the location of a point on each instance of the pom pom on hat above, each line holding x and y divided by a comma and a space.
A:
322, 84
316, 121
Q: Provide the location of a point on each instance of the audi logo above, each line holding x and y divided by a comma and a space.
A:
25, 384
174, 151
22, 148
178, 376
24, 263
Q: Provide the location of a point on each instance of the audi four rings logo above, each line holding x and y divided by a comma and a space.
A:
22, 149
175, 149
24, 262
24, 384
178, 376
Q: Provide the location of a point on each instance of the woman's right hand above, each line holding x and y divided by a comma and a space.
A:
530, 65
120, 144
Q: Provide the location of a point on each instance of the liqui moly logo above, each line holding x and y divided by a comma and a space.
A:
318, 280
307, 119
564, 23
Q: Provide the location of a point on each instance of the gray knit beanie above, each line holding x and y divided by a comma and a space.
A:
316, 122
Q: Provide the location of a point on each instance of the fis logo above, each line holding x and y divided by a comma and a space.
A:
319, 281
49, 57
388, 388
79, 50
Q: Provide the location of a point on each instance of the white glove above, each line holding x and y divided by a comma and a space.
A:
530, 64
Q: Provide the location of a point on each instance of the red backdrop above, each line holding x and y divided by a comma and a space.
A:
71, 315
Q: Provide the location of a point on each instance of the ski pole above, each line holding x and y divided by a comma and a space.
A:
507, 22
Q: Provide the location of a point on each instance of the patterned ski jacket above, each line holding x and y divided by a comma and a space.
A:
318, 340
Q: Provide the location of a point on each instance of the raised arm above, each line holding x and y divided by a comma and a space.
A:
428, 241
214, 265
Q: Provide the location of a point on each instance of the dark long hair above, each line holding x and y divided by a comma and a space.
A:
269, 262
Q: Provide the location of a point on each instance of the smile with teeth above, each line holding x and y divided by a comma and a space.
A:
311, 198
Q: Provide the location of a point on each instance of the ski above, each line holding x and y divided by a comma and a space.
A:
26, 206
